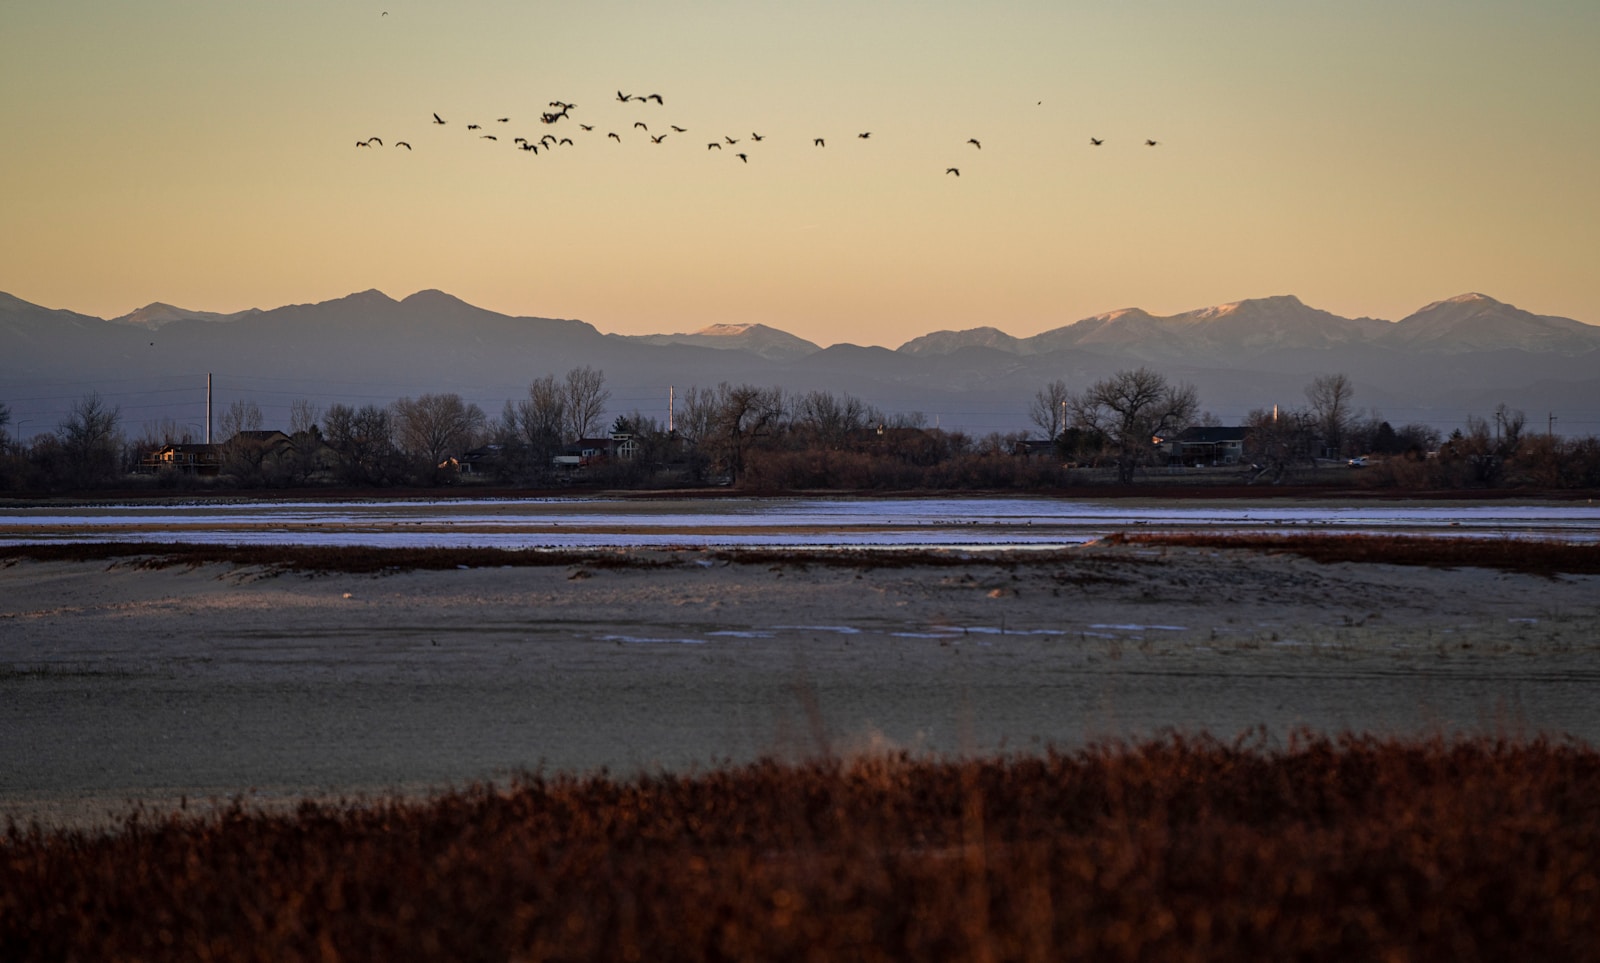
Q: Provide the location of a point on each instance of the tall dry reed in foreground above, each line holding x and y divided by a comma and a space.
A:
1180, 849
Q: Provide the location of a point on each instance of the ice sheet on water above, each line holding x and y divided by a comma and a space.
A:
649, 640
981, 523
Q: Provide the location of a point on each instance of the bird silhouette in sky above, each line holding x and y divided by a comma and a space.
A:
559, 110
362, 143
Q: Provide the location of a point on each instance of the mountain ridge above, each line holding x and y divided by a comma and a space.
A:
1434, 365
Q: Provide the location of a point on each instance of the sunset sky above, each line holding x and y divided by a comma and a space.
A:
1369, 157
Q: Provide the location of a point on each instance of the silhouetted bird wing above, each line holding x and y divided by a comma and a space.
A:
640, 123
437, 119
503, 120
731, 141
375, 140
743, 158
586, 127
713, 144
654, 139
473, 127
1149, 143
974, 142
864, 135
818, 141
681, 130
1096, 141
624, 97
756, 137
614, 135
487, 137
565, 140
953, 170
401, 143
656, 98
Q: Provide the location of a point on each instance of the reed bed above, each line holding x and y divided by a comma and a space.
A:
1316, 848
1528, 556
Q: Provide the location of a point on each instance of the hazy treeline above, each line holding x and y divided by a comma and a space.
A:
766, 438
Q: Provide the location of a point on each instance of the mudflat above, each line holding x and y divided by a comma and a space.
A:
122, 682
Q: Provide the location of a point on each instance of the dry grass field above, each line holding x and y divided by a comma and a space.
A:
1327, 849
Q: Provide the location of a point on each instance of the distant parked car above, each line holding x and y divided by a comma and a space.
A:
1358, 462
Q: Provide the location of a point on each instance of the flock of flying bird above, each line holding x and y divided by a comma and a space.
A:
560, 111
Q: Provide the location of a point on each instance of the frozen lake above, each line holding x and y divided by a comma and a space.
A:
988, 522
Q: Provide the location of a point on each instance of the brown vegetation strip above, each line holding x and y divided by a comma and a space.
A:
1534, 557
1347, 848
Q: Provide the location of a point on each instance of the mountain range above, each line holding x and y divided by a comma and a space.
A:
1448, 360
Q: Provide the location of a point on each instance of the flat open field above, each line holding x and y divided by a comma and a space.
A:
125, 680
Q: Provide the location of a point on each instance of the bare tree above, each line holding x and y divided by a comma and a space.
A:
727, 420
1048, 409
91, 442
1279, 442
240, 416
5, 419
1331, 397
364, 439
696, 415
303, 416
434, 428
1130, 409
825, 420
542, 416
586, 397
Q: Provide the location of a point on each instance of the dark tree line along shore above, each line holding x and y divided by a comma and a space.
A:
766, 438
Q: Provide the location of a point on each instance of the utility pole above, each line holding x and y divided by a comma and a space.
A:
672, 394
208, 407
1550, 426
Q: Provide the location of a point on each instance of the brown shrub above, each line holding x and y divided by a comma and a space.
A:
1178, 849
